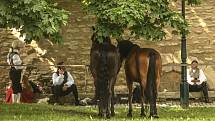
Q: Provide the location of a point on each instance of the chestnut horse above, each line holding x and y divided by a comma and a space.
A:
142, 65
104, 66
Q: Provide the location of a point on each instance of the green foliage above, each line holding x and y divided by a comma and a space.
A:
145, 18
193, 2
36, 19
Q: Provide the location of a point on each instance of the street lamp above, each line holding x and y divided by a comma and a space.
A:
184, 87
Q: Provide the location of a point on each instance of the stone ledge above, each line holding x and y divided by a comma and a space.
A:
177, 94
165, 95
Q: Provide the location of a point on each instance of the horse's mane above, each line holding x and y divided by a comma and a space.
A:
125, 47
103, 77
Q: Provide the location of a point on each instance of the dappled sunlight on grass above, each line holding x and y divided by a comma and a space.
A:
42, 112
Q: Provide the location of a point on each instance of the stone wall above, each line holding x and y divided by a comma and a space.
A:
76, 48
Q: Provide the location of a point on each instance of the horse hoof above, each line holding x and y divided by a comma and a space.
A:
129, 115
113, 114
99, 115
153, 116
143, 115
108, 116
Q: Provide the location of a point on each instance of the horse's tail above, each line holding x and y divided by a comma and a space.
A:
151, 88
102, 81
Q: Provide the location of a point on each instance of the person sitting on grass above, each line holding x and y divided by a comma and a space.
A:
197, 80
29, 91
63, 83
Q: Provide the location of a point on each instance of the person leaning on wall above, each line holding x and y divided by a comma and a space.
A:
15, 73
197, 80
63, 83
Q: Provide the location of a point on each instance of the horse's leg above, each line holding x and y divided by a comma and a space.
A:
112, 101
153, 108
100, 114
96, 96
142, 114
108, 103
130, 86
153, 98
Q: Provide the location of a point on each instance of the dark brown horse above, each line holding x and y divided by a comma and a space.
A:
142, 65
104, 66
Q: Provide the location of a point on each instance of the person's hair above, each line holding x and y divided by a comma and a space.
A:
25, 77
17, 44
59, 65
194, 61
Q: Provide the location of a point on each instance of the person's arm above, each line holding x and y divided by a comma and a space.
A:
8, 58
57, 80
189, 78
70, 80
202, 77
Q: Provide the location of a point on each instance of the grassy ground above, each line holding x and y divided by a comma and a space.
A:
43, 112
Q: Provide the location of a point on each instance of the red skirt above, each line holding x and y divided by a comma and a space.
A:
27, 96
9, 92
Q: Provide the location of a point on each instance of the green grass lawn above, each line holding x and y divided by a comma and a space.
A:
43, 112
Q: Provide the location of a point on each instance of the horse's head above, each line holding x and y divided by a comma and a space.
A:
124, 47
94, 38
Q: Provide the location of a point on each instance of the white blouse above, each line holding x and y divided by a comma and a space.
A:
58, 79
16, 59
202, 77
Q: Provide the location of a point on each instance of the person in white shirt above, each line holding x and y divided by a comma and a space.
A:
197, 80
63, 83
13, 59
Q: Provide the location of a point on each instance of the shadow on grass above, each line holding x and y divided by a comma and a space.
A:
92, 112
192, 112
77, 112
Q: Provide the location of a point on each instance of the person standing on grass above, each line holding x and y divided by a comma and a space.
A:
15, 73
197, 80
63, 83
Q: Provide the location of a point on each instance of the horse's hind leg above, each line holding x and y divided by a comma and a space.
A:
142, 114
152, 99
153, 96
153, 108
112, 102
130, 88
100, 106
108, 104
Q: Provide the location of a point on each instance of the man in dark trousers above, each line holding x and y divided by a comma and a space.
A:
64, 83
197, 80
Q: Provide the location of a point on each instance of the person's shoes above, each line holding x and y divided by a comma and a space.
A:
208, 101
77, 103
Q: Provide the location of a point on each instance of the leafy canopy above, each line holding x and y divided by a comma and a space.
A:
142, 18
36, 19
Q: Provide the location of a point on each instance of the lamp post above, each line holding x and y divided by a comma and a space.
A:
184, 87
